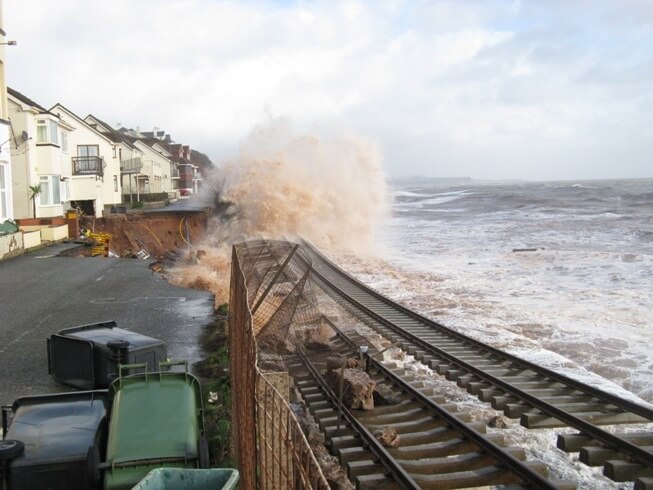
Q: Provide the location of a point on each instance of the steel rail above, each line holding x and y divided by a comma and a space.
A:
511, 463
400, 475
640, 455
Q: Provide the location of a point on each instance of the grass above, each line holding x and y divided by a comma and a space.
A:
214, 370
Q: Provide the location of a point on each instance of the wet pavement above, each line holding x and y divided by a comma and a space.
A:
41, 293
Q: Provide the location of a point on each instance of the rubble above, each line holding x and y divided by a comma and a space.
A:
388, 437
358, 393
498, 422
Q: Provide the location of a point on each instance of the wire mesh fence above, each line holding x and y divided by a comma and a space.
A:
269, 291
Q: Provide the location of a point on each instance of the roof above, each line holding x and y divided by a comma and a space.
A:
112, 134
75, 116
27, 100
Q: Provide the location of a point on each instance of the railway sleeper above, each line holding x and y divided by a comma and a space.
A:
537, 420
459, 462
598, 455
486, 394
364, 467
437, 434
392, 417
487, 476
574, 442
354, 453
475, 386
621, 471
450, 447
644, 483
375, 482
341, 442
423, 424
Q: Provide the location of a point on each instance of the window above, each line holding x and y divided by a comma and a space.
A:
47, 131
50, 195
4, 194
115, 183
88, 150
64, 141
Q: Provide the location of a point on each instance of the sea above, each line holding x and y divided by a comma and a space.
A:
558, 273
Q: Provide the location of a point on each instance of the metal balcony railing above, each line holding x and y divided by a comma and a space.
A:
131, 165
88, 166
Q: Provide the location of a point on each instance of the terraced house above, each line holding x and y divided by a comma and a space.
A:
94, 165
40, 158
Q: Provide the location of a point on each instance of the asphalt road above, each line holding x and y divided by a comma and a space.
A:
41, 293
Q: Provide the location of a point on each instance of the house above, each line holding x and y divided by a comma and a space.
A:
95, 165
131, 158
189, 175
40, 158
156, 175
6, 201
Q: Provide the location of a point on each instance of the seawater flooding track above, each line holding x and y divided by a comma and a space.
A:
539, 397
439, 448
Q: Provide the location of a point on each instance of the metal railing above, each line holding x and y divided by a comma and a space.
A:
131, 165
269, 445
88, 166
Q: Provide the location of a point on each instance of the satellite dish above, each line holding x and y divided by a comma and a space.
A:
24, 136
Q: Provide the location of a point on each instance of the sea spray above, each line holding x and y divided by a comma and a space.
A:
326, 187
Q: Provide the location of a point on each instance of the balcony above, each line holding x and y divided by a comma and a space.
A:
131, 166
88, 166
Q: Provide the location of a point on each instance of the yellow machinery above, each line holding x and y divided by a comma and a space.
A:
100, 243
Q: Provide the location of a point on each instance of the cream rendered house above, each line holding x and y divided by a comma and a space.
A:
95, 165
131, 158
6, 200
41, 156
156, 174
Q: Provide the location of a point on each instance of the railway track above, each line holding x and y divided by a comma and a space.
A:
539, 397
439, 447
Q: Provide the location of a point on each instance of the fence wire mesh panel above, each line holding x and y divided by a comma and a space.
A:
268, 288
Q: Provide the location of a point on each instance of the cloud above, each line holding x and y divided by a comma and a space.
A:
489, 89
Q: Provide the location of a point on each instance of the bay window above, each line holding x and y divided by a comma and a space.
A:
47, 131
4, 193
50, 192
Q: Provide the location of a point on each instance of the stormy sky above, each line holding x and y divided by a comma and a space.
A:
489, 89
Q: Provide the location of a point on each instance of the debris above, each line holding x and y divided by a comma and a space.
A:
388, 437
498, 422
385, 396
142, 254
335, 362
317, 338
525, 249
358, 388
156, 266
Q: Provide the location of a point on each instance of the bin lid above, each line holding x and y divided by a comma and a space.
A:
57, 428
105, 332
164, 409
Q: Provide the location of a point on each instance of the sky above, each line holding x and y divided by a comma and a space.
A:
487, 89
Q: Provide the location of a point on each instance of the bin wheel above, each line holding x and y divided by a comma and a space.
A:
93, 466
203, 448
10, 449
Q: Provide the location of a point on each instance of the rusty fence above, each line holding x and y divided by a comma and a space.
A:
269, 292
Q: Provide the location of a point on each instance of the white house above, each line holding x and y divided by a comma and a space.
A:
131, 158
95, 165
156, 175
6, 201
40, 157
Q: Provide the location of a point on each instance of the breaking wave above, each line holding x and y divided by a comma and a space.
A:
327, 187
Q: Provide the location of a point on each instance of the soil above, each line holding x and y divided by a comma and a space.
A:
158, 234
